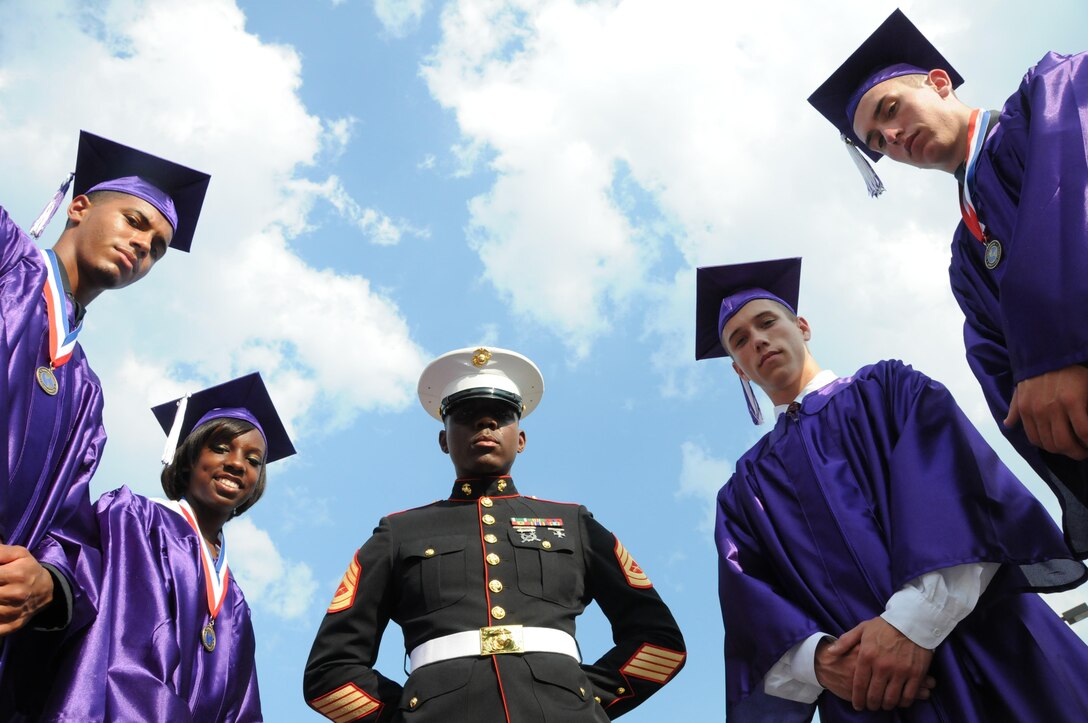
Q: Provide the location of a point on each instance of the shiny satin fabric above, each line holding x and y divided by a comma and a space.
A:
1025, 317
879, 479
51, 444
142, 658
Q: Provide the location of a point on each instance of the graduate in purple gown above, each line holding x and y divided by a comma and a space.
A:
173, 639
1020, 255
127, 208
876, 557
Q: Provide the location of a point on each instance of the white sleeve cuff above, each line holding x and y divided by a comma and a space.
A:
929, 607
793, 677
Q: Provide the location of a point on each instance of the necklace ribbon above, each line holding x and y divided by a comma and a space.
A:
976, 136
62, 340
216, 572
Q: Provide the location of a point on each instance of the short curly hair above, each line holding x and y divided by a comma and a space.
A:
175, 476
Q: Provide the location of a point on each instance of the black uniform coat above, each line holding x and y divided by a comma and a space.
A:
463, 563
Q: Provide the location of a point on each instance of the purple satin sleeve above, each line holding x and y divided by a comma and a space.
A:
142, 659
51, 444
1043, 288
746, 583
879, 480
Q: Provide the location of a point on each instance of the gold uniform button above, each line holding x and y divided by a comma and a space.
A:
498, 613
597, 698
583, 691
495, 586
486, 501
546, 545
490, 538
488, 520
429, 552
413, 702
621, 691
493, 559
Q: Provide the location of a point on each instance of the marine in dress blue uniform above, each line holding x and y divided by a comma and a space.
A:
486, 585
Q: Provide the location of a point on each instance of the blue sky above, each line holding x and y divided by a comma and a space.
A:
391, 180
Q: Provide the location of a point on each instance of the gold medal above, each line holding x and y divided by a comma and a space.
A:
47, 380
207, 636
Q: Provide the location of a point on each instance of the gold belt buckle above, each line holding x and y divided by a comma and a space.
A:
499, 639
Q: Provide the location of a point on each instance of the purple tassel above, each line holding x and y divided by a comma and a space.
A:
873, 184
753, 404
51, 208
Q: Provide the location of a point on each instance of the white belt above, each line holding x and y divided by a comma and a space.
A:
494, 640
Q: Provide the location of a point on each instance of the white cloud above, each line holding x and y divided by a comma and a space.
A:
399, 17
338, 132
701, 476
187, 81
427, 163
378, 228
282, 587
625, 136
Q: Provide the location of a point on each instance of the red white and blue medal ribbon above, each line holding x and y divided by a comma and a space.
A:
62, 340
216, 571
976, 137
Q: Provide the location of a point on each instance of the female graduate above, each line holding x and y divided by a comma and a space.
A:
173, 639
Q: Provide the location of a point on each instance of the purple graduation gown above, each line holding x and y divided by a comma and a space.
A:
142, 659
1026, 316
876, 480
52, 443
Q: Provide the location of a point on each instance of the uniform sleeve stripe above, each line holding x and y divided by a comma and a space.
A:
653, 663
345, 593
346, 703
646, 674
662, 653
361, 710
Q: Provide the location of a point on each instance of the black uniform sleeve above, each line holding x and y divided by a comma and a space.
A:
649, 649
340, 681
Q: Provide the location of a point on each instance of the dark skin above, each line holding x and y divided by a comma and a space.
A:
482, 438
107, 244
110, 243
224, 477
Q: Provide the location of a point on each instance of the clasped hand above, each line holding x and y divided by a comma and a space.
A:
25, 588
874, 666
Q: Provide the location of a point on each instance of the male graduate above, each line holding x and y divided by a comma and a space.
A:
486, 585
1020, 255
128, 208
874, 552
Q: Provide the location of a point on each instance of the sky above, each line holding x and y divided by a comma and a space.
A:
395, 179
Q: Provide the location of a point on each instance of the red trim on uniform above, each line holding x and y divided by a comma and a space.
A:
474, 479
636, 576
344, 597
629, 694
554, 502
411, 509
654, 663
498, 677
347, 703
483, 558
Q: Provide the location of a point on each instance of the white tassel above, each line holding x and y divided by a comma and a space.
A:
51, 208
174, 437
872, 181
753, 403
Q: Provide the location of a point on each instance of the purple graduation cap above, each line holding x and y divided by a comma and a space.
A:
721, 291
894, 49
242, 398
104, 165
